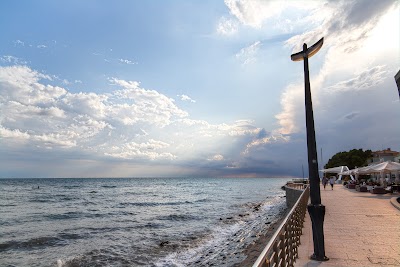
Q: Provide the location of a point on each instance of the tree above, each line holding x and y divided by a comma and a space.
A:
352, 159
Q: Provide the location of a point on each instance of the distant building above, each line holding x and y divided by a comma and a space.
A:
397, 78
383, 155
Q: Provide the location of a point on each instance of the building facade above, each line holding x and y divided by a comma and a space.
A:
384, 155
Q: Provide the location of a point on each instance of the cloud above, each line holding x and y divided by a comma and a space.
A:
254, 13
351, 83
41, 46
247, 55
217, 157
19, 43
347, 34
289, 116
12, 60
365, 80
186, 98
345, 23
264, 139
147, 105
227, 27
131, 130
22, 83
147, 151
126, 61
128, 124
13, 134
66, 82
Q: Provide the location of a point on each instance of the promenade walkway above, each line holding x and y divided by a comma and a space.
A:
360, 229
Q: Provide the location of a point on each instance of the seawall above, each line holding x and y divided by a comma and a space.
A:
293, 192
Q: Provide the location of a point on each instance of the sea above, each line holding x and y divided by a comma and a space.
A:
135, 221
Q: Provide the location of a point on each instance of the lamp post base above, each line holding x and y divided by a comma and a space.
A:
317, 214
316, 258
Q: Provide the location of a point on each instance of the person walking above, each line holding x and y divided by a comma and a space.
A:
324, 181
332, 181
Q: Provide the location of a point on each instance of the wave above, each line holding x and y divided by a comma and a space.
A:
109, 186
154, 204
101, 257
177, 217
38, 242
76, 215
8, 205
202, 200
43, 200
71, 186
228, 237
64, 216
151, 225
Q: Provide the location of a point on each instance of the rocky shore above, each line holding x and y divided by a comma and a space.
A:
254, 249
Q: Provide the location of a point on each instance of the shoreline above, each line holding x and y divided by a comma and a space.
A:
253, 251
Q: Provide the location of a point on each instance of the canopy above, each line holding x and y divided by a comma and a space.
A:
339, 170
335, 170
355, 171
387, 166
383, 167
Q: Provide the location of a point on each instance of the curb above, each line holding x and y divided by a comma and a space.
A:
394, 202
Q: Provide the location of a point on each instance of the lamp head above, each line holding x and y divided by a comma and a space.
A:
307, 53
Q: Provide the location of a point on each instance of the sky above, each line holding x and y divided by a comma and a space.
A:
187, 88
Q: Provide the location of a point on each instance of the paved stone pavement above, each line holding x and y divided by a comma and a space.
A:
360, 229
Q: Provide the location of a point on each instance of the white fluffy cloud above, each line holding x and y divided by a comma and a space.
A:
227, 26
255, 12
129, 124
186, 98
362, 81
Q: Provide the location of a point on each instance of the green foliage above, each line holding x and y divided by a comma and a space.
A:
353, 158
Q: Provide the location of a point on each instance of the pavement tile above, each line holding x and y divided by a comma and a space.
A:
359, 263
383, 260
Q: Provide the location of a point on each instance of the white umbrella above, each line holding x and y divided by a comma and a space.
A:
383, 167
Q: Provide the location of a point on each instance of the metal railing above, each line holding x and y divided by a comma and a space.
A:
282, 249
296, 185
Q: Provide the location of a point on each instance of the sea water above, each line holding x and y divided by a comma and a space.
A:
134, 222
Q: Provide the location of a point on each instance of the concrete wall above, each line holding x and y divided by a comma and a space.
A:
292, 195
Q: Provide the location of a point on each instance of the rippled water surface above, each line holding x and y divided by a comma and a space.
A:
134, 222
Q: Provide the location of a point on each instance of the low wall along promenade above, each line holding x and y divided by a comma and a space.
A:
293, 192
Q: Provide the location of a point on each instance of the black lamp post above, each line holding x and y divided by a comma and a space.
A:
315, 209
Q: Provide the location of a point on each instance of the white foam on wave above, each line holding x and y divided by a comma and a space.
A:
214, 242
228, 239
60, 263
